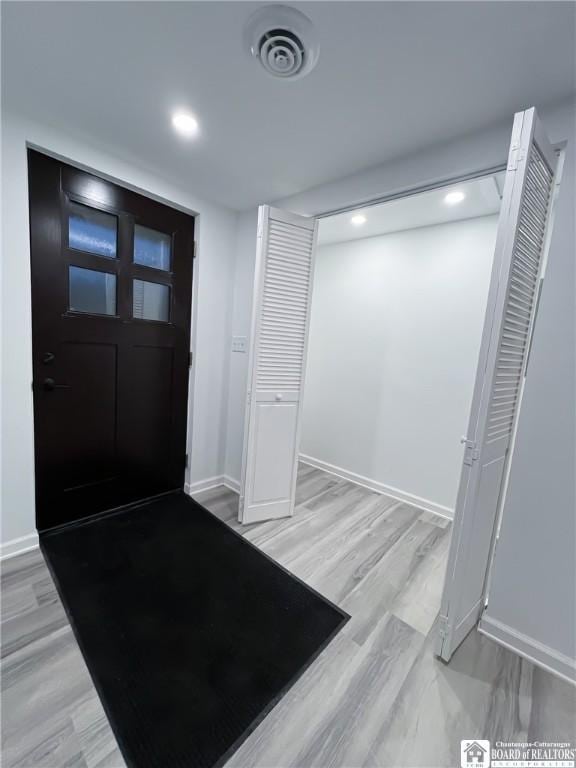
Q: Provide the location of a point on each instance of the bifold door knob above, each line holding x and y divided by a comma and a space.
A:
278, 397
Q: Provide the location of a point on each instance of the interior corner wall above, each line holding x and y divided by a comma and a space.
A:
213, 275
395, 333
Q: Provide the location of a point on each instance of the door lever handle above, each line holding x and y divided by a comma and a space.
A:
50, 385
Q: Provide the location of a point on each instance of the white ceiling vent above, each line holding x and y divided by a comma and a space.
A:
283, 40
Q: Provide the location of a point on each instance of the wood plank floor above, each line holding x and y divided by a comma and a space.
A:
376, 696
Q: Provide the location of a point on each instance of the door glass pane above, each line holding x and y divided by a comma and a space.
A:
150, 301
91, 230
151, 248
92, 291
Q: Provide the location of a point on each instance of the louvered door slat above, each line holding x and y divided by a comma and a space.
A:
288, 263
534, 219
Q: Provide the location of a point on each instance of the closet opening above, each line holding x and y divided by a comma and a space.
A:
392, 359
398, 304
387, 314
396, 316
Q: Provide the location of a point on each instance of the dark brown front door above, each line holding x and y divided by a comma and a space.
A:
111, 296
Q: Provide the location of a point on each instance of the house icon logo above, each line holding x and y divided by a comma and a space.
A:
475, 754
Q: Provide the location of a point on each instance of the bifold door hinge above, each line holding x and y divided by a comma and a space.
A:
443, 627
516, 155
190, 359
186, 461
194, 249
471, 452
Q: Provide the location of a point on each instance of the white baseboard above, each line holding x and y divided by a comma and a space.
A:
375, 485
18, 546
210, 483
203, 485
542, 655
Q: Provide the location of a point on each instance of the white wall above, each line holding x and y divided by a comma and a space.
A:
394, 340
212, 313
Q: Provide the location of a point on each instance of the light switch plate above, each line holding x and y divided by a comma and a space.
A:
239, 343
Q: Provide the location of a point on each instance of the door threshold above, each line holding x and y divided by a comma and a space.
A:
106, 513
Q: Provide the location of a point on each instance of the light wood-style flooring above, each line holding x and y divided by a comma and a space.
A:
377, 696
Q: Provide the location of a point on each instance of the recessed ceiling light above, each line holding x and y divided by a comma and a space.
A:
185, 123
358, 220
454, 197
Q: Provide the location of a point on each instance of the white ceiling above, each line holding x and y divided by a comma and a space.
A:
482, 198
392, 77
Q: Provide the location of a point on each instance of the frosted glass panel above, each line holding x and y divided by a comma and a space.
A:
151, 248
150, 301
92, 291
91, 230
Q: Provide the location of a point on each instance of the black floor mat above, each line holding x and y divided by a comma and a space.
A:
190, 633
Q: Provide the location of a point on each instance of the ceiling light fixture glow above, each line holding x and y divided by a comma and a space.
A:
185, 123
452, 198
358, 220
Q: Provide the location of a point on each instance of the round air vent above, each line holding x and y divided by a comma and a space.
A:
282, 53
283, 40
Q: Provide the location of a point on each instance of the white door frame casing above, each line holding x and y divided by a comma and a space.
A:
412, 191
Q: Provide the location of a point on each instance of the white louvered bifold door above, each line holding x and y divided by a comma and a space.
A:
520, 254
278, 343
